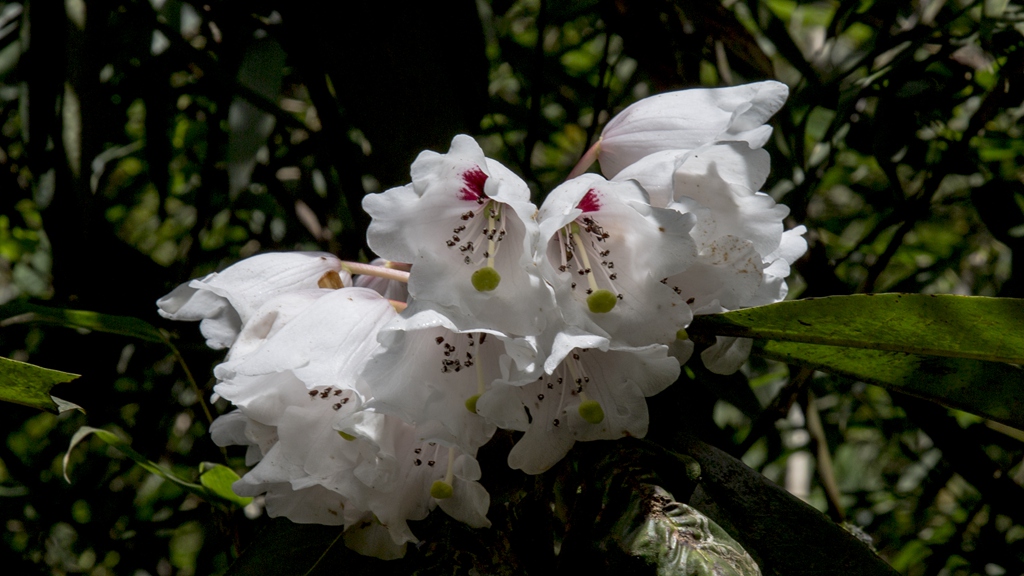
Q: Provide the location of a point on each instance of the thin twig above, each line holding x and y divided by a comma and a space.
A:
779, 408
826, 473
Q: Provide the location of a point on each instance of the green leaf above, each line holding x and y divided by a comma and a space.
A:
30, 385
988, 389
654, 532
635, 525
786, 535
218, 478
124, 446
974, 327
21, 313
214, 494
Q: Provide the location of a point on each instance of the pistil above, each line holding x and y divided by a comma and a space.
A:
480, 388
487, 278
442, 489
599, 300
590, 410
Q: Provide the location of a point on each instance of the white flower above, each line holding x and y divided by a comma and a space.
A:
224, 301
688, 119
606, 251
589, 391
706, 160
428, 369
329, 462
427, 474
466, 226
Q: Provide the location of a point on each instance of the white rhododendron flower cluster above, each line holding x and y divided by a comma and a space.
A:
363, 401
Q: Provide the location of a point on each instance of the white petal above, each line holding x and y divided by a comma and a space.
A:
717, 179
688, 119
468, 504
328, 343
728, 272
226, 300
270, 318
727, 354
369, 538
313, 505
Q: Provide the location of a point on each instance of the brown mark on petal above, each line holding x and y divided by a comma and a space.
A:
331, 280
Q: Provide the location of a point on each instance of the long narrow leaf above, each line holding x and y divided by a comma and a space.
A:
20, 313
932, 325
214, 489
989, 389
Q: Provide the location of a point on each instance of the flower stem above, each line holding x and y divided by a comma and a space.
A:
588, 158
378, 271
405, 267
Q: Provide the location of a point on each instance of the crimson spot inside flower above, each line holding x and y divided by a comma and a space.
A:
474, 180
590, 202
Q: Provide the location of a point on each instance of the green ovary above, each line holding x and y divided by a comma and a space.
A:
591, 411
441, 490
601, 301
471, 403
486, 279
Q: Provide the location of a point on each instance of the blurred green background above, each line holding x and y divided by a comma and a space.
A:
144, 143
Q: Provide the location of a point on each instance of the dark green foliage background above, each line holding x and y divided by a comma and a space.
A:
146, 143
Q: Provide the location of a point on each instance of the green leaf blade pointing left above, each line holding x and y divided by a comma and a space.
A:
29, 385
25, 313
974, 327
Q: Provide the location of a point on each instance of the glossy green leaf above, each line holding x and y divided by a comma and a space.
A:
989, 389
22, 313
785, 534
637, 526
933, 325
677, 539
218, 478
30, 385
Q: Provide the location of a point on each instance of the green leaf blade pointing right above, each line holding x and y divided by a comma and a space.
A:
29, 385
